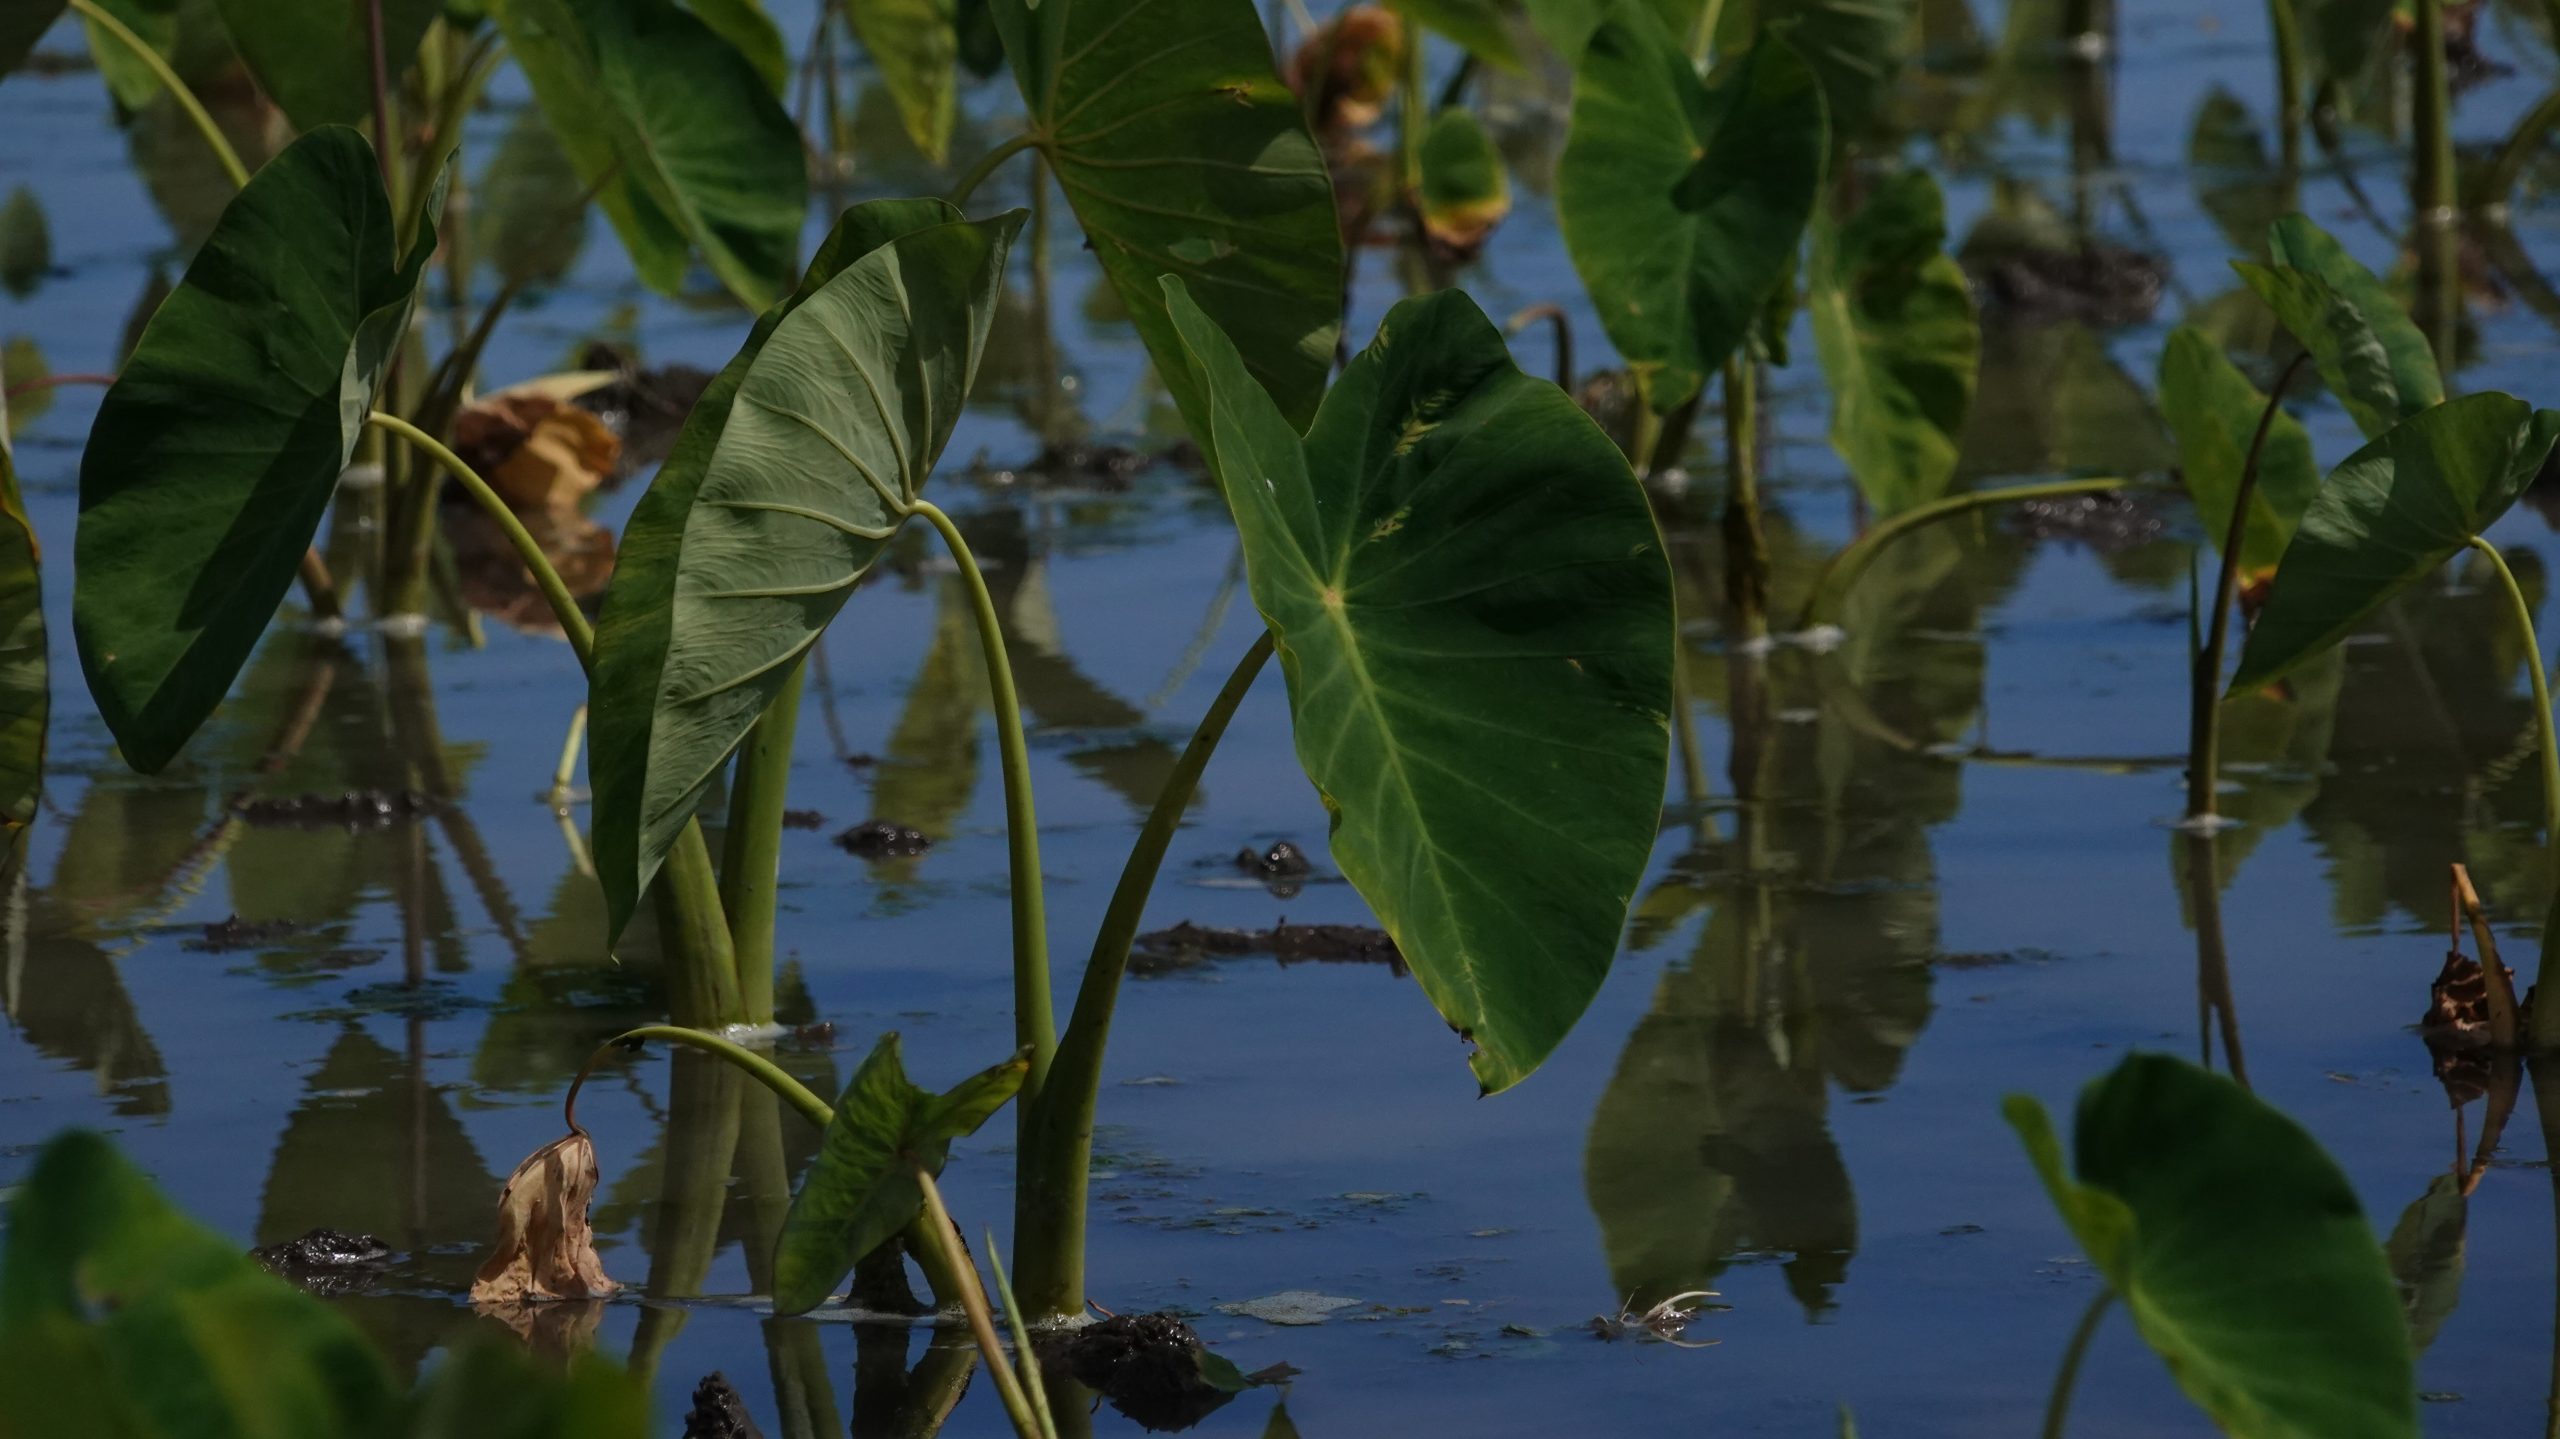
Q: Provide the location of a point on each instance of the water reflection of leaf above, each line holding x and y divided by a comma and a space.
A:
2052, 401
2426, 1253
66, 998
2234, 180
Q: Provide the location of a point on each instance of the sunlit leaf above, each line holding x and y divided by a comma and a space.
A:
2370, 353
1474, 614
214, 455
1183, 153
2214, 412
1465, 188
916, 48
785, 485
1682, 203
1894, 326
314, 58
2396, 510
2238, 1248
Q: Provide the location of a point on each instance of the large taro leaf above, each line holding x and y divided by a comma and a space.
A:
683, 141
915, 45
862, 1188
25, 682
1183, 153
1683, 203
121, 1316
314, 57
1894, 326
784, 486
2214, 412
1474, 614
1854, 46
2239, 1249
752, 33
2370, 353
214, 455
2396, 510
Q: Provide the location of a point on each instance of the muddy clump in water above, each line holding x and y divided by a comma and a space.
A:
225, 936
1151, 1368
718, 1412
884, 839
327, 1262
2103, 286
1187, 945
1282, 861
353, 810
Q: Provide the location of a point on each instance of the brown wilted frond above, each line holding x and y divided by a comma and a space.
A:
545, 1248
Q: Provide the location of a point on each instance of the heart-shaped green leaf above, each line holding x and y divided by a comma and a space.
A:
213, 457
752, 33
1854, 46
1183, 153
1893, 324
2239, 1249
1474, 613
916, 47
314, 57
1683, 202
2370, 353
2392, 513
25, 681
1466, 189
862, 1189
788, 479
684, 143
2214, 412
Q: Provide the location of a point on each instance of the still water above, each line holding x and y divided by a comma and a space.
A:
1902, 879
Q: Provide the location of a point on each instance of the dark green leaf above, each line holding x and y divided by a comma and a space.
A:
1682, 203
23, 23
25, 683
1216, 1371
862, 1189
1894, 326
1465, 188
2370, 353
750, 32
314, 57
2396, 510
530, 218
916, 48
676, 131
788, 477
26, 243
213, 457
1482, 27
2214, 411
129, 77
1474, 613
2239, 1249
1183, 153
2345, 35
1854, 46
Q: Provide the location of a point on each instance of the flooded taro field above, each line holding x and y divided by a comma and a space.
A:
337, 963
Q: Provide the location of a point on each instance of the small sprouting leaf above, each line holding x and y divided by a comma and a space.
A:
2239, 1249
26, 243
546, 1248
2396, 510
2214, 411
214, 455
314, 57
1683, 203
915, 44
861, 1190
1893, 324
1474, 614
2370, 353
1465, 189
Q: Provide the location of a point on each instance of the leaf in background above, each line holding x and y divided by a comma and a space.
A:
1184, 154
1474, 613
129, 78
752, 33
314, 58
687, 148
25, 682
2396, 510
26, 243
1465, 189
121, 1316
214, 455
790, 475
2214, 412
1683, 203
2239, 1249
1894, 326
2370, 353
495, 1389
1854, 46
1566, 25
22, 363
2425, 1251
1481, 27
23, 23
915, 44
2344, 35
862, 1188
2235, 182
530, 218
981, 44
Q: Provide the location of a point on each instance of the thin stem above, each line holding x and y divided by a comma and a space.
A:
2432, 110
1410, 116
944, 1236
1049, 1213
564, 606
2204, 716
977, 174
1746, 548
751, 854
1852, 561
2521, 145
379, 74
1035, 1021
214, 140
2058, 1406
2287, 30
460, 99
1029, 1358
320, 588
2544, 1019
764, 1071
1561, 325
567, 770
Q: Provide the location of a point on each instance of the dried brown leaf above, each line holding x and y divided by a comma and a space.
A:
537, 451
545, 1248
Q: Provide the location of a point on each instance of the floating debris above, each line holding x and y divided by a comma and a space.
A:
353, 810
719, 1412
327, 1262
224, 936
1667, 1321
1187, 944
884, 839
1289, 1307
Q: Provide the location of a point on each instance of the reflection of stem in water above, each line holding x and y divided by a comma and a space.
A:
2204, 715
2058, 1407
2546, 1104
802, 1390
2546, 1019
1845, 567
1746, 548
1211, 622
2214, 999
827, 697
684, 1234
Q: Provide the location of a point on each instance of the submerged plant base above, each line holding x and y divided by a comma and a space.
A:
1152, 1368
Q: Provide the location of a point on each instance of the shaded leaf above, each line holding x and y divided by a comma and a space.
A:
752, 33
1893, 323
314, 57
2370, 353
1465, 189
1854, 46
916, 46
26, 243
2214, 412
1481, 27
530, 212
493, 1390
2235, 181
1184, 154
129, 78
545, 1247
1567, 25
685, 145
22, 25
2239, 1249
214, 455
25, 682
2396, 510
1474, 614
1682, 203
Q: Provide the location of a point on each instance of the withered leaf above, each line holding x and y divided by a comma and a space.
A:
546, 1248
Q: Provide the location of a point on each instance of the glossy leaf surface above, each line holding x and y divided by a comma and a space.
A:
685, 144
1893, 323
314, 57
1474, 614
214, 455
2214, 412
861, 1190
916, 46
2239, 1249
1682, 203
788, 479
2370, 353
2396, 510
1184, 154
